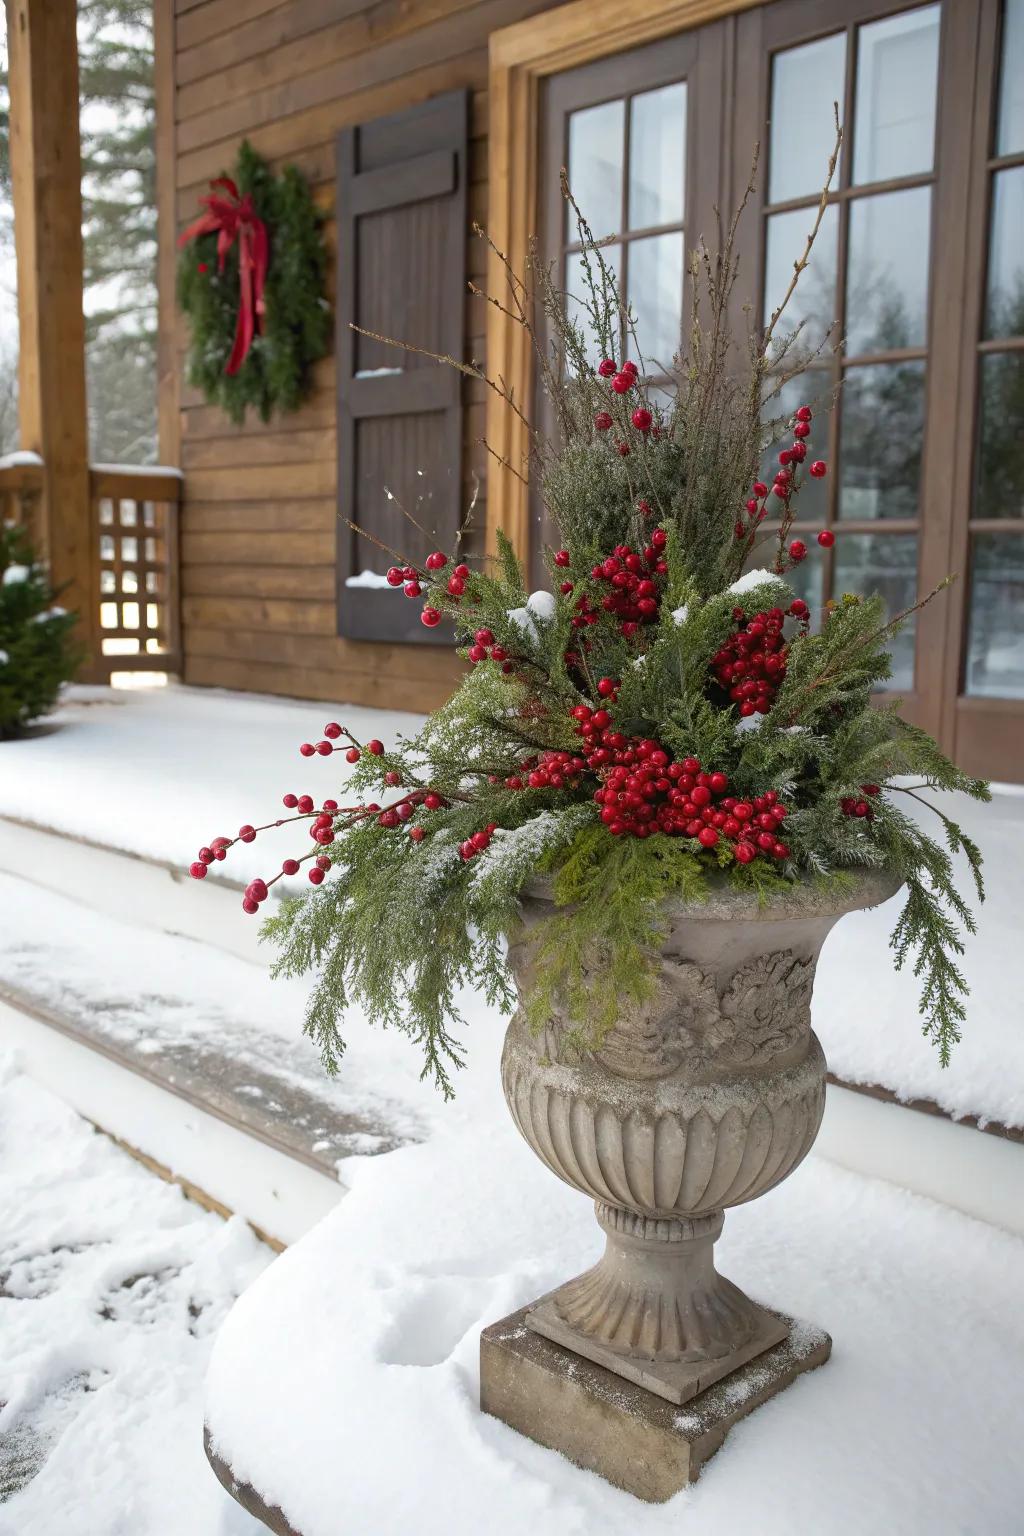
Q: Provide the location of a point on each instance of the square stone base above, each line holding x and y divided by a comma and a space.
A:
678, 1381
634, 1439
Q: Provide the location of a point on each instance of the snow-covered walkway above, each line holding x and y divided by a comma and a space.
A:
345, 1381
112, 1286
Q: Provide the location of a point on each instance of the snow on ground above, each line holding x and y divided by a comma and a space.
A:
158, 993
159, 771
112, 1286
345, 1382
156, 772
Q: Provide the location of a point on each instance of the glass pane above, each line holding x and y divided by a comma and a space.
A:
656, 298
578, 301
1004, 314
595, 168
881, 426
887, 281
867, 563
1000, 488
894, 116
995, 641
814, 389
1010, 134
814, 299
806, 579
657, 157
805, 83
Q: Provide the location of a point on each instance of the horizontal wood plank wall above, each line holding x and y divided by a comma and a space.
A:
259, 509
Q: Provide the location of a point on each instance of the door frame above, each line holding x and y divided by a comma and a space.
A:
520, 57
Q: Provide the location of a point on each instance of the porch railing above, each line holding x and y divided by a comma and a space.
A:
134, 581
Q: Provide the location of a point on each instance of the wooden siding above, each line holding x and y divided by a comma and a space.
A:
259, 511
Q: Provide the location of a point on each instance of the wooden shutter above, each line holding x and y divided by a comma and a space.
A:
401, 211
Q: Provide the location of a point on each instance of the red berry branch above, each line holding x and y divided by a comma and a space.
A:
785, 485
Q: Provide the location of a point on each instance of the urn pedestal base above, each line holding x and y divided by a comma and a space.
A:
634, 1439
655, 1310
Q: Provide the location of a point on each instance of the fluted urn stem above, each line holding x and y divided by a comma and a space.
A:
655, 1309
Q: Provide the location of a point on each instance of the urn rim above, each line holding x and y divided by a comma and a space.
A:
805, 897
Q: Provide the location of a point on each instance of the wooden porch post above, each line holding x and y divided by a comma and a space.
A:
46, 178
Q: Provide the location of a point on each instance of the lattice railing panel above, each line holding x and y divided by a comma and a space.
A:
137, 539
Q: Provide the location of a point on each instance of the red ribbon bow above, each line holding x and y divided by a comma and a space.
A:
234, 218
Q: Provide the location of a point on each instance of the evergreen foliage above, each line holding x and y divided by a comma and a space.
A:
404, 922
37, 652
297, 322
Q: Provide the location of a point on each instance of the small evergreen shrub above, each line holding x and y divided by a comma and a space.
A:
37, 652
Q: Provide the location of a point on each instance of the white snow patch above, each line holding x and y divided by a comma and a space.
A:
56, 612
4, 658
542, 606
113, 1288
539, 609
751, 579
373, 579
378, 373
20, 456
166, 471
14, 575
680, 615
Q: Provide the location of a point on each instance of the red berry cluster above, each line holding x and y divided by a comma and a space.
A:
485, 649
327, 820
479, 841
644, 791
783, 488
751, 665
851, 806
635, 580
622, 381
411, 581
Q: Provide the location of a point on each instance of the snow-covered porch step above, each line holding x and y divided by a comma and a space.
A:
191, 1055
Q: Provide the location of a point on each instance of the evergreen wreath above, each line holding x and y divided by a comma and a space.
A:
294, 328
37, 649
668, 717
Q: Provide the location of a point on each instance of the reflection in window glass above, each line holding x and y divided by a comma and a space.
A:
805, 83
1004, 309
657, 157
887, 280
881, 428
595, 168
814, 299
813, 388
866, 563
995, 643
578, 302
806, 579
1010, 132
656, 298
1000, 487
894, 116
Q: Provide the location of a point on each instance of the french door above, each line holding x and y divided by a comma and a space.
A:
918, 274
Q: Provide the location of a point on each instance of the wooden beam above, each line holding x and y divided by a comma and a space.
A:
168, 390
521, 56
46, 177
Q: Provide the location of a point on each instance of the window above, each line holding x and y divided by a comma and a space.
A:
868, 280
994, 653
918, 271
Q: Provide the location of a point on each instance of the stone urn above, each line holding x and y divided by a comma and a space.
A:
702, 1098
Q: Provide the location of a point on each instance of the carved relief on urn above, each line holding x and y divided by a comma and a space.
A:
705, 1096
